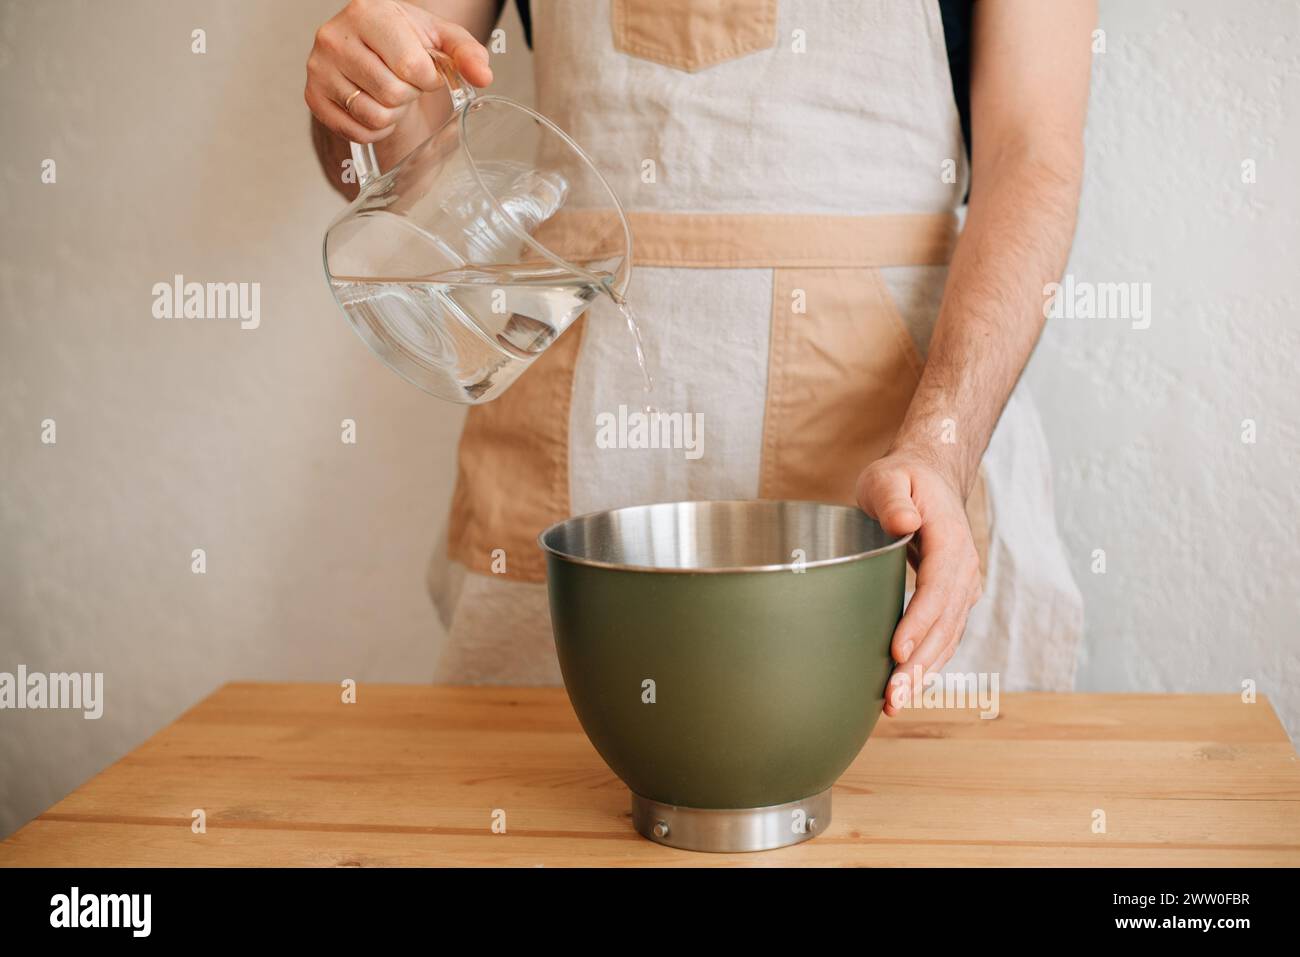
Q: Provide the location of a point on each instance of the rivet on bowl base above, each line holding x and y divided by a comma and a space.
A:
726, 830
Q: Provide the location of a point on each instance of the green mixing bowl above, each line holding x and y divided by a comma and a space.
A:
727, 659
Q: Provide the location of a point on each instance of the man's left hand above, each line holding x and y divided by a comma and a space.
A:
905, 493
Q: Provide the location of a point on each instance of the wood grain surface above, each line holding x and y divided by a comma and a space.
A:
287, 774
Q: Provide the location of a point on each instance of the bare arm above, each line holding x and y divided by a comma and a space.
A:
377, 46
1029, 92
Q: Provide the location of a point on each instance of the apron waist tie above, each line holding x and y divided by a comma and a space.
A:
760, 240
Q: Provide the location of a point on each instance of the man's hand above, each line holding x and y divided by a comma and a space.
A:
381, 47
906, 494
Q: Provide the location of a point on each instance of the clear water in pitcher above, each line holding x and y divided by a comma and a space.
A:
478, 329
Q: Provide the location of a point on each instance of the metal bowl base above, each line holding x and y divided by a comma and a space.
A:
732, 830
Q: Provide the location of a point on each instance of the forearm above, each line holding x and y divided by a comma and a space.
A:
332, 150
1016, 241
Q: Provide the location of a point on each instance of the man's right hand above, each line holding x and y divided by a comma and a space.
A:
381, 47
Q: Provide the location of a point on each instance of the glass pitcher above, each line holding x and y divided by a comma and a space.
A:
442, 264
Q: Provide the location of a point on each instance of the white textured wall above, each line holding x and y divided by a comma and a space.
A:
1201, 531
176, 435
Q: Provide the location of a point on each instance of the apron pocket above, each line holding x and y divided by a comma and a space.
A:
842, 369
692, 35
841, 372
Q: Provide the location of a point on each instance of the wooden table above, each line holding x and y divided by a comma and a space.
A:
287, 774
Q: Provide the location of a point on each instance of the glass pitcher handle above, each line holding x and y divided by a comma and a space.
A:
364, 163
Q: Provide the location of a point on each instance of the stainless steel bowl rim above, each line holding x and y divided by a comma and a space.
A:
721, 570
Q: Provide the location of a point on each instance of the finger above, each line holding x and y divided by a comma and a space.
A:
942, 580
946, 655
365, 72
932, 594
470, 56
339, 120
971, 599
945, 633
363, 108
369, 72
897, 693
940, 644
886, 495
404, 46
904, 685
921, 614
909, 677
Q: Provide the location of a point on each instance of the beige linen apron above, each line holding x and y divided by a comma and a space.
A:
783, 162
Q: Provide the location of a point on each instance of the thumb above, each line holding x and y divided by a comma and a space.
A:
470, 56
886, 495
